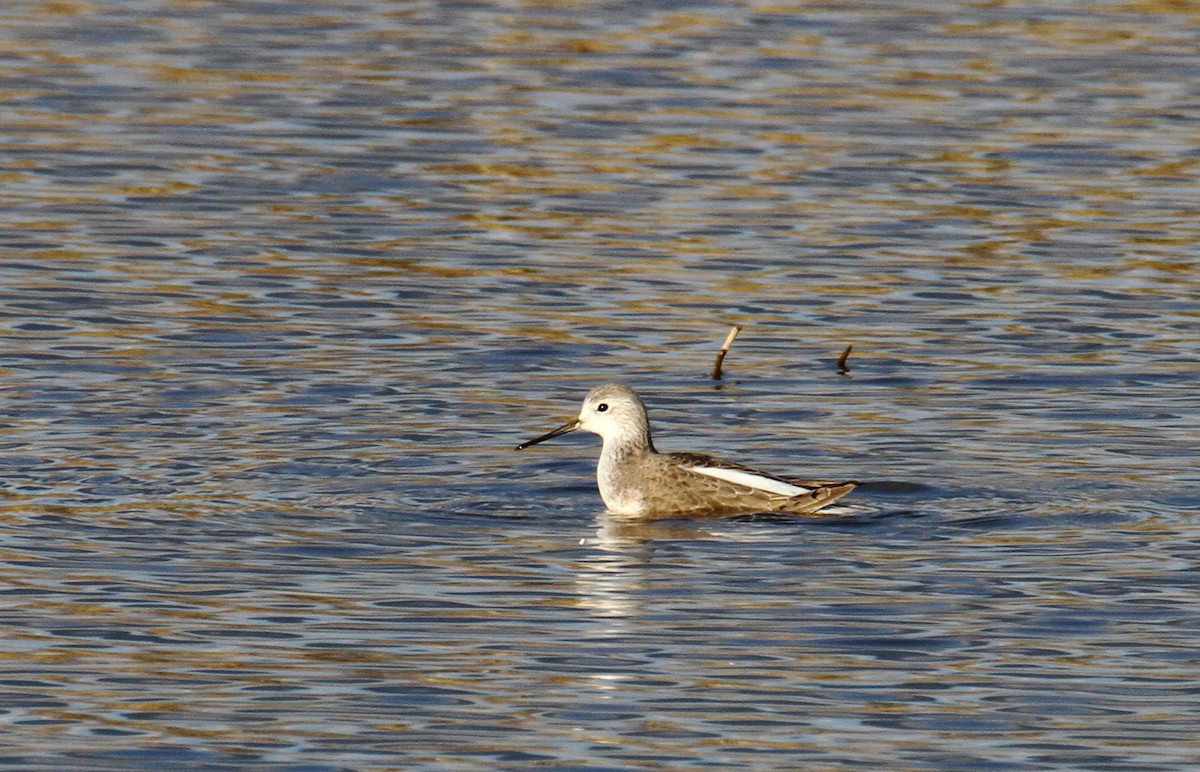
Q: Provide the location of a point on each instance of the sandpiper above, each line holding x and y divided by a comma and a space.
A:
636, 480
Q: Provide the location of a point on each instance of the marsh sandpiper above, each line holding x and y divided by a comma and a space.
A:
635, 480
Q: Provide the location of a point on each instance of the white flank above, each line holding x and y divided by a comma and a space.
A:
751, 480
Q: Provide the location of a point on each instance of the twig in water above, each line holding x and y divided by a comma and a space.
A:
843, 368
733, 333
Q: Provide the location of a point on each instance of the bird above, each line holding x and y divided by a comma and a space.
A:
638, 482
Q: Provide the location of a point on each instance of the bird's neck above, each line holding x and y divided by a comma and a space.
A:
633, 444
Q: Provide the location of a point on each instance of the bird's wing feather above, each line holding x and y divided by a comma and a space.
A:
775, 494
741, 475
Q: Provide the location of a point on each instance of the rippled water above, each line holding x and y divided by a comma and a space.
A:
282, 284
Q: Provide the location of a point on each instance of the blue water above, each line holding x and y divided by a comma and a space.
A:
282, 286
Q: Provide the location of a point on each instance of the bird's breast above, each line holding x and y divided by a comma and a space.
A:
620, 491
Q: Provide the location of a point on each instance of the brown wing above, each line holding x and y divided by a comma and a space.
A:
818, 498
703, 459
678, 492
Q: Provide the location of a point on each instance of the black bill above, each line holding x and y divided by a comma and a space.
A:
565, 428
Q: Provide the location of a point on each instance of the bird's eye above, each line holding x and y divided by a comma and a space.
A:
602, 407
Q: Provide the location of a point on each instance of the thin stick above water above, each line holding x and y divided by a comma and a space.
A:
843, 368
733, 333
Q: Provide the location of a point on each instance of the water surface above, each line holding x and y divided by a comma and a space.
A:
282, 285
